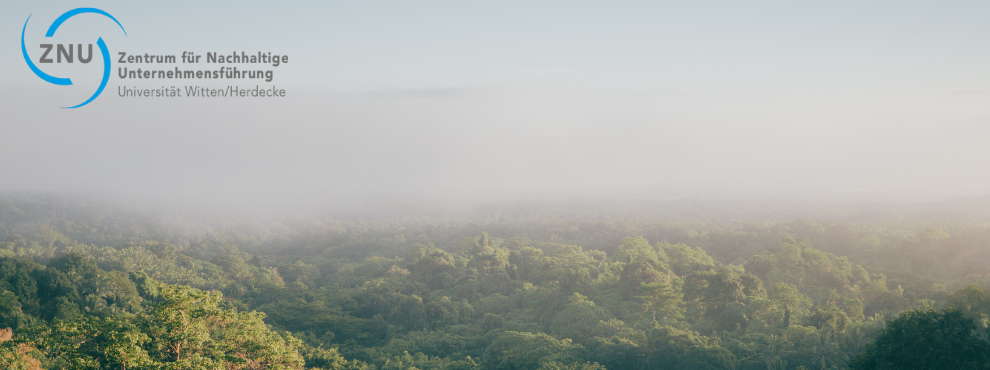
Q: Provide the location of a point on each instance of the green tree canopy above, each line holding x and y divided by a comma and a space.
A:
926, 339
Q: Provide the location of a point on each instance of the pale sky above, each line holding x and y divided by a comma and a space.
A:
837, 100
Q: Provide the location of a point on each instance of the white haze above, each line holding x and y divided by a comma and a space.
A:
770, 102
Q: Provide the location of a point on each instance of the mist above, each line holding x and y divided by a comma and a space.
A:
796, 104
495, 185
485, 144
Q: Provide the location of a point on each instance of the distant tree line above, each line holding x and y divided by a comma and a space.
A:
94, 289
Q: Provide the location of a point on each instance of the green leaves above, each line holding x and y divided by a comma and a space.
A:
523, 350
185, 329
638, 249
188, 327
927, 339
17, 354
671, 348
178, 324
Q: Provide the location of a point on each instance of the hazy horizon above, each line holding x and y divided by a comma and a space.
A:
472, 103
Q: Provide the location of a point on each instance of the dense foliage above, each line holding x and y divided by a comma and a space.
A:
91, 286
927, 339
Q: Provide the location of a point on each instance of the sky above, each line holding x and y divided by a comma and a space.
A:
481, 101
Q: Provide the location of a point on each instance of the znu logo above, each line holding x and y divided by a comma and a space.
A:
66, 52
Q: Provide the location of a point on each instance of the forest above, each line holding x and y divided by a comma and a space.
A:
684, 284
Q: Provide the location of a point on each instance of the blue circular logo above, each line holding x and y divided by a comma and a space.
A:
51, 32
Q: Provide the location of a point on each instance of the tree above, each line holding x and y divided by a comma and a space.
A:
670, 348
974, 302
826, 351
714, 290
638, 249
179, 325
617, 352
776, 347
927, 339
523, 350
554, 365
15, 355
660, 297
189, 329
830, 318
91, 342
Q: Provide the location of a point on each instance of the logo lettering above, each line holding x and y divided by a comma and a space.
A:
63, 51
44, 57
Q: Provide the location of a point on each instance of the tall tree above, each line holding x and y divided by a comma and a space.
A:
925, 340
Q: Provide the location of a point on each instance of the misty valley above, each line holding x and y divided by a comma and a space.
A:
471, 185
90, 285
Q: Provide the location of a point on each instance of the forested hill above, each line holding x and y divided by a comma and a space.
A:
90, 286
